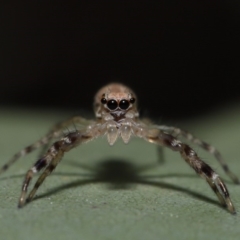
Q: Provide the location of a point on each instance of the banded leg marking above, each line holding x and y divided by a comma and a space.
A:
200, 167
209, 148
50, 161
53, 133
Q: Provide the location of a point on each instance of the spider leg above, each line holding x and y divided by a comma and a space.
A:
200, 167
54, 133
57, 130
160, 154
25, 151
50, 161
209, 148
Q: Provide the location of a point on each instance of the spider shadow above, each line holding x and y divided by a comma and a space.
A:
122, 174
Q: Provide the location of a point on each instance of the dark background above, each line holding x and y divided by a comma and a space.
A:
180, 57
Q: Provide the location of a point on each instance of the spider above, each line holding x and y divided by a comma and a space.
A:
117, 117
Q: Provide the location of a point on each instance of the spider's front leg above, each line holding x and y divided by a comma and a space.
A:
200, 167
57, 130
207, 147
49, 162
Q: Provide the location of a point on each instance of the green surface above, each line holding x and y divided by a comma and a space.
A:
119, 192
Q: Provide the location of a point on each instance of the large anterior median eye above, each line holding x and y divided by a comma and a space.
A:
112, 104
124, 104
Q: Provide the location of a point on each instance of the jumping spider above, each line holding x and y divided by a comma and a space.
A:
117, 117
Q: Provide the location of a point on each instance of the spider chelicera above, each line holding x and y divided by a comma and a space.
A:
117, 117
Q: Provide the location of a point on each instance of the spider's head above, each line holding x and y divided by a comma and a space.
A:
115, 99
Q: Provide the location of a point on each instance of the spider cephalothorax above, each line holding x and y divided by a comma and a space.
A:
117, 117
116, 102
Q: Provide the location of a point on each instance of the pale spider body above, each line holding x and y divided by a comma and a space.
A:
117, 116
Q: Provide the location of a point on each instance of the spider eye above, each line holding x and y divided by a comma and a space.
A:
132, 100
124, 104
112, 104
103, 100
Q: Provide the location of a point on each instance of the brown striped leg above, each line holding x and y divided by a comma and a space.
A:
50, 161
209, 148
24, 152
38, 166
56, 132
200, 167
